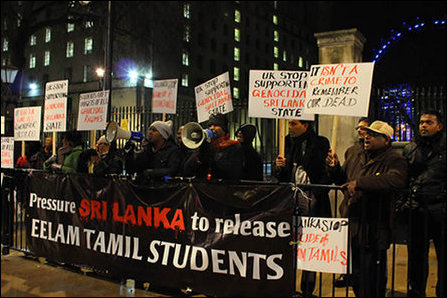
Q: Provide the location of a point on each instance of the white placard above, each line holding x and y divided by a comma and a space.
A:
55, 114
164, 96
92, 113
213, 96
27, 123
7, 153
278, 94
322, 244
339, 89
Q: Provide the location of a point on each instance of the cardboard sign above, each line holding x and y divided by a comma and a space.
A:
27, 123
164, 96
213, 96
7, 153
55, 118
322, 244
93, 110
278, 94
339, 89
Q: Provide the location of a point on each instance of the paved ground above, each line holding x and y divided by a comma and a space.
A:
30, 277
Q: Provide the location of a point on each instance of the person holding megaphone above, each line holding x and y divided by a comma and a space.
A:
159, 159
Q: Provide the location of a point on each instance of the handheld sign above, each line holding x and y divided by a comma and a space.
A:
93, 110
55, 106
27, 123
7, 153
278, 94
339, 89
213, 96
164, 96
322, 244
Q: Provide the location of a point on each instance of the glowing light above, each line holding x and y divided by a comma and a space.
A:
32, 86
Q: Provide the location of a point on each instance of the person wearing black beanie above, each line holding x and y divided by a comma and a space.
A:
253, 161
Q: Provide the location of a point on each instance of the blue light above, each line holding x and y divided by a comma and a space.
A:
436, 22
380, 52
133, 75
384, 47
443, 22
399, 34
32, 86
416, 26
409, 28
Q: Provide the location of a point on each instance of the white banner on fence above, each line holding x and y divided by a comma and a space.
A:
322, 244
55, 114
213, 96
164, 96
27, 123
7, 153
339, 89
278, 94
93, 110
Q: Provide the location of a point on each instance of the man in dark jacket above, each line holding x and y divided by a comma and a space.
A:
109, 161
427, 173
303, 147
253, 161
159, 159
368, 177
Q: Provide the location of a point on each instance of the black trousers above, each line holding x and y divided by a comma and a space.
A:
369, 270
426, 224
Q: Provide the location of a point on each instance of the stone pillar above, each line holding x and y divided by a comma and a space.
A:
343, 46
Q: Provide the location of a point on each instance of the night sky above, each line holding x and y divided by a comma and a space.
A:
418, 55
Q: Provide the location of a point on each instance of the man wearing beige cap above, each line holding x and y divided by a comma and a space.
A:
367, 179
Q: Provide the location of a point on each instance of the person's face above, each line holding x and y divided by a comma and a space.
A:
375, 141
240, 137
360, 131
296, 128
218, 131
429, 125
154, 136
48, 142
102, 148
179, 134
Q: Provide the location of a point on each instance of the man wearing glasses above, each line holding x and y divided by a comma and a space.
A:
367, 178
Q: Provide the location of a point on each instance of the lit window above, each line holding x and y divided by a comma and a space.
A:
275, 52
185, 80
33, 40
88, 45
300, 61
236, 73
47, 58
5, 45
86, 73
185, 58
70, 27
236, 92
237, 35
276, 36
275, 20
237, 16
187, 34
284, 56
275, 66
47, 34
70, 49
19, 19
187, 10
236, 54
32, 61
88, 24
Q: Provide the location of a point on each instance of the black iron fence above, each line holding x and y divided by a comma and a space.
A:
15, 224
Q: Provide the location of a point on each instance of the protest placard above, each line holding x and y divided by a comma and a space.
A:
278, 94
7, 153
55, 118
27, 123
213, 96
93, 110
164, 96
339, 89
322, 244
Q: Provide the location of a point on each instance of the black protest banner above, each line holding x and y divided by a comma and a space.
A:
218, 239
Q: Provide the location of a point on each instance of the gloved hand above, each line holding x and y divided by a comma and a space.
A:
129, 147
56, 167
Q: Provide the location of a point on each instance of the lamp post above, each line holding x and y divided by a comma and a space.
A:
9, 99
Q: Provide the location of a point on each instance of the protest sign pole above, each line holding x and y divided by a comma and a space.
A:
23, 148
164, 117
334, 133
282, 136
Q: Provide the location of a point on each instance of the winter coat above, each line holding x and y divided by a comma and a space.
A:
369, 209
71, 160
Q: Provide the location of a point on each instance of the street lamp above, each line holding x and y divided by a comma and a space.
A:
8, 75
